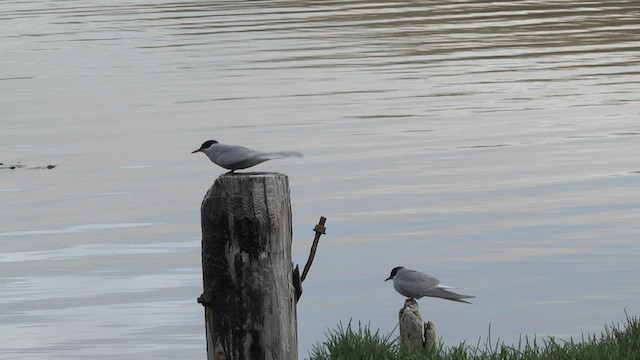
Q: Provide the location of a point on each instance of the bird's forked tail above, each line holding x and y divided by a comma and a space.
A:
449, 295
282, 154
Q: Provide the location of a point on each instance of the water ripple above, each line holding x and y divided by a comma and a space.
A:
78, 229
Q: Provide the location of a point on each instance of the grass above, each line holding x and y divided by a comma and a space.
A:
617, 341
345, 343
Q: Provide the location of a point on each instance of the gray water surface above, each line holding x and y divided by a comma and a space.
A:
493, 145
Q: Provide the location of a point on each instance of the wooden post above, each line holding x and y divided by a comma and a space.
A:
413, 333
410, 325
249, 298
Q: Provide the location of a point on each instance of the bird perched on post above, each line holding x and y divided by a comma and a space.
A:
235, 157
414, 285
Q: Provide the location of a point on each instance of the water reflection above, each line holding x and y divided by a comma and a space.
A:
485, 141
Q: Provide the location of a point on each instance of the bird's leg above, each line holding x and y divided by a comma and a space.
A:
229, 172
409, 299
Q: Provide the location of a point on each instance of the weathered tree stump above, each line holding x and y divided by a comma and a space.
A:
249, 297
429, 335
413, 333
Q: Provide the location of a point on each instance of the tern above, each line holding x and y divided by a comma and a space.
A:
414, 285
235, 157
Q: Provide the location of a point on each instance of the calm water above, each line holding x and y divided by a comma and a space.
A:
493, 145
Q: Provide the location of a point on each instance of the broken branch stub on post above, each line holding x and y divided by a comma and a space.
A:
320, 230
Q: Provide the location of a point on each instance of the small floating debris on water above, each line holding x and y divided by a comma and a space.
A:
22, 166
48, 167
11, 167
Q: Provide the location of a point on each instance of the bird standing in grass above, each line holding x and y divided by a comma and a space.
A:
236, 157
414, 285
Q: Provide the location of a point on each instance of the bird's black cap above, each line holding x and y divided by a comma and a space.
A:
394, 271
208, 144
205, 145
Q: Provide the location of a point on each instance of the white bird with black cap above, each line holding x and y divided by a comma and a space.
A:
236, 157
414, 285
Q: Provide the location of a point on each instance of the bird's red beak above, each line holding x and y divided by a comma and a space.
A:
195, 151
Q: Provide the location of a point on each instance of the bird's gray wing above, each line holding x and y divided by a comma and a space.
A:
235, 155
414, 283
428, 282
